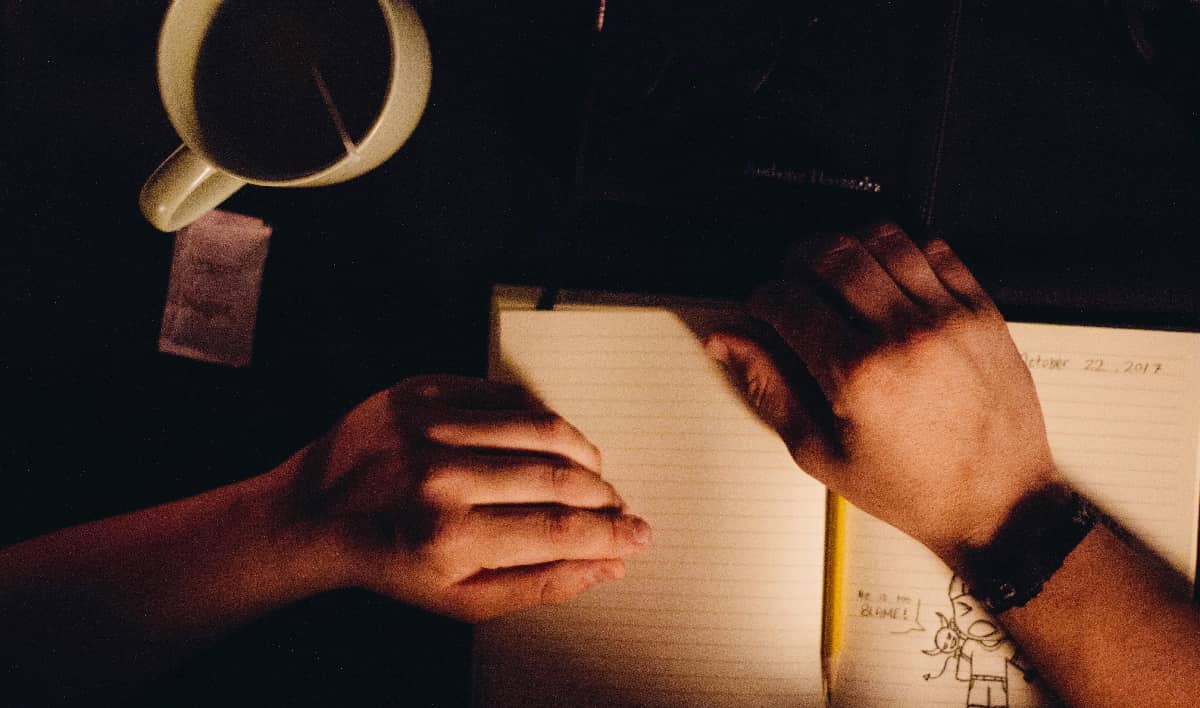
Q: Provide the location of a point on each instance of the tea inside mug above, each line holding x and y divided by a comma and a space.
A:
285, 88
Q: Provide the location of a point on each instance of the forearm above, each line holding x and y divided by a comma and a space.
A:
914, 404
462, 497
97, 609
1112, 627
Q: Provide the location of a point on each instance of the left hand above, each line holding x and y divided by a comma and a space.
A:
466, 497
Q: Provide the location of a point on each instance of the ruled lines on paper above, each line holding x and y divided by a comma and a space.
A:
1122, 411
725, 609
1123, 417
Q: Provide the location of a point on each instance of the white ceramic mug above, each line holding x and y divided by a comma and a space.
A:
192, 181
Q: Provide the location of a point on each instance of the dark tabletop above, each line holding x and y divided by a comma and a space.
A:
547, 155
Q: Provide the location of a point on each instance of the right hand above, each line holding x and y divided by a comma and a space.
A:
465, 497
898, 387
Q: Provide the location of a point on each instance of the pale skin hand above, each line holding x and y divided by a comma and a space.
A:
904, 393
922, 412
464, 497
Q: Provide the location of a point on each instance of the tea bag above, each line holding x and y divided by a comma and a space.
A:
212, 296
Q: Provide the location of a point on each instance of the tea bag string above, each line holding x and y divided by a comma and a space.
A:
332, 109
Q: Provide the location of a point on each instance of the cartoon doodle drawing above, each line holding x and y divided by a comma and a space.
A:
979, 648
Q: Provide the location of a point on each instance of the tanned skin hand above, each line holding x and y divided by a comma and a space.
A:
897, 385
461, 496
918, 387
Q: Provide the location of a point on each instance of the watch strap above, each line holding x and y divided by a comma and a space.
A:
1030, 546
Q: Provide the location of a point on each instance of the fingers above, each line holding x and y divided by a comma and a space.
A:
866, 293
533, 431
820, 337
795, 409
469, 412
907, 265
469, 392
476, 479
757, 378
504, 537
955, 276
491, 593
863, 284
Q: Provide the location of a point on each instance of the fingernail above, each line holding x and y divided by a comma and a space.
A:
937, 245
636, 530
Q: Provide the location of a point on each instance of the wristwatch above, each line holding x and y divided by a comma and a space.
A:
1030, 546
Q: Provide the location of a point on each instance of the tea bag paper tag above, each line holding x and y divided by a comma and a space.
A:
212, 296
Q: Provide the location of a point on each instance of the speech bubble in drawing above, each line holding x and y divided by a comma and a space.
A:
899, 611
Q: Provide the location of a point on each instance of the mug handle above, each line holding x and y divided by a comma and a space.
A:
184, 188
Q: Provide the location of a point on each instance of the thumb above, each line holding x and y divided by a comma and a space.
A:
758, 379
792, 405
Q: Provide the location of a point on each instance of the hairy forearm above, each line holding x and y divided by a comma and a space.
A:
1113, 627
90, 612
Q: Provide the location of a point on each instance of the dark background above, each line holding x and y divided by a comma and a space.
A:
1030, 137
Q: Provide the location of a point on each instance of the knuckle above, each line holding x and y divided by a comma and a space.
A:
920, 335
438, 431
836, 258
965, 320
759, 387
903, 320
617, 533
550, 591
937, 249
425, 386
445, 538
886, 237
381, 397
375, 408
987, 312
957, 319
558, 478
439, 481
611, 492
549, 426
561, 526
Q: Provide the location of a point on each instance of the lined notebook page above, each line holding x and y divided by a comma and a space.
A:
1122, 409
725, 609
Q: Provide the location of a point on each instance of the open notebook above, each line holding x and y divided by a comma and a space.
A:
752, 593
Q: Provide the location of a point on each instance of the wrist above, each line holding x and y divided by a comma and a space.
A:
304, 548
989, 509
1035, 538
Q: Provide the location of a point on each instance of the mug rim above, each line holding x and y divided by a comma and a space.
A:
183, 30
